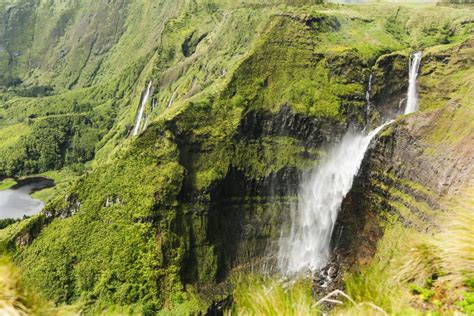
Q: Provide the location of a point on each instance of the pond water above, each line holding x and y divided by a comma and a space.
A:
17, 202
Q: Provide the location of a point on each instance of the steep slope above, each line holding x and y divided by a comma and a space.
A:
246, 97
68, 65
415, 194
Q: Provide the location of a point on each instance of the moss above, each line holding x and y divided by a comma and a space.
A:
257, 159
123, 236
425, 294
467, 303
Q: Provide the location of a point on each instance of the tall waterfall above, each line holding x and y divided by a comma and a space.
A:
412, 97
138, 120
319, 200
307, 246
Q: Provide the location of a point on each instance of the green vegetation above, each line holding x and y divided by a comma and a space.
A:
111, 212
435, 269
62, 180
16, 299
128, 227
6, 184
377, 282
256, 295
7, 221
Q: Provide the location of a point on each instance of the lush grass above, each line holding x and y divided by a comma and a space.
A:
116, 208
377, 282
256, 295
62, 180
412, 268
6, 184
16, 299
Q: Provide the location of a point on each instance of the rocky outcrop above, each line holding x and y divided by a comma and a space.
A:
405, 175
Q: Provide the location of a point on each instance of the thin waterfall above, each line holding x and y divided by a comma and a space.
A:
367, 98
170, 103
141, 110
319, 200
412, 97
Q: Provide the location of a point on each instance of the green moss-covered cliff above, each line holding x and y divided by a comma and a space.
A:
244, 98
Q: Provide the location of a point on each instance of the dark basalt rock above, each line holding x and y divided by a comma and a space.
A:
191, 42
245, 216
311, 131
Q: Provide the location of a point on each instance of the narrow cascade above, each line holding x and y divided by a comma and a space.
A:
319, 200
141, 110
412, 97
367, 98
172, 99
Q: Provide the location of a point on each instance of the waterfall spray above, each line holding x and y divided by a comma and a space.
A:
141, 110
319, 201
412, 97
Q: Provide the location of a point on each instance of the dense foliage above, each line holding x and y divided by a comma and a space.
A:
244, 94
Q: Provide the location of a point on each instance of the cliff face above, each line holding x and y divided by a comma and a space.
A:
246, 98
422, 159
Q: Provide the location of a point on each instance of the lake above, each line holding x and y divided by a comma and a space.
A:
17, 202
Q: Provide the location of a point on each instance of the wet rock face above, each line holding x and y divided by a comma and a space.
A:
389, 84
245, 217
236, 222
239, 216
311, 131
407, 166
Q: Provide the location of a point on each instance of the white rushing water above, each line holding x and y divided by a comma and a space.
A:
141, 110
319, 200
307, 246
412, 97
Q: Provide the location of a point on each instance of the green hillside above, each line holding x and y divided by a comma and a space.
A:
245, 97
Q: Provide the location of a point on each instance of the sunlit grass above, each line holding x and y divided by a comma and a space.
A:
16, 300
12, 296
6, 184
256, 295
376, 283
431, 268
455, 242
62, 179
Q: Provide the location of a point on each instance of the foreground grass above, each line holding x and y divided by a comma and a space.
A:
15, 299
267, 296
413, 273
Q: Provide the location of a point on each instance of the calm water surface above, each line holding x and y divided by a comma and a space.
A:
17, 202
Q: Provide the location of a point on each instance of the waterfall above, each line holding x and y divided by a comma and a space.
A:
170, 103
138, 120
367, 98
307, 246
412, 97
319, 200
